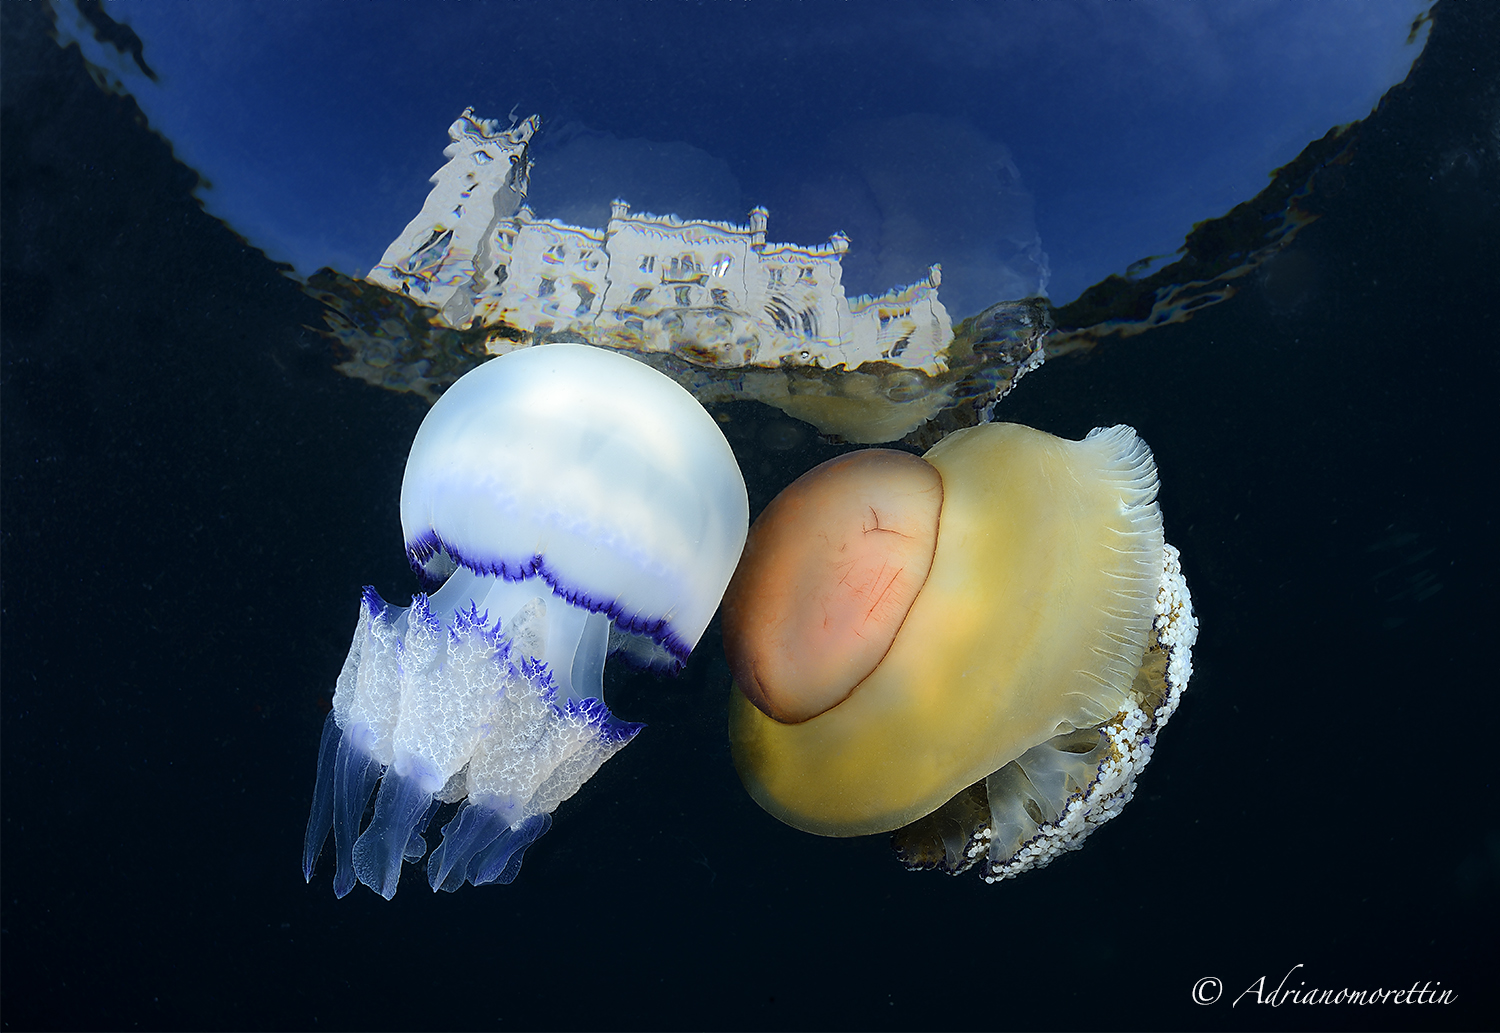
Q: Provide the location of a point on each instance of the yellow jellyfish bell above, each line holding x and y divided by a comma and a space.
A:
977, 638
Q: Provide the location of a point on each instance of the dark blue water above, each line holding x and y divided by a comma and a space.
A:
192, 499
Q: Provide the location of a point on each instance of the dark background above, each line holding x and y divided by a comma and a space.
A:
192, 499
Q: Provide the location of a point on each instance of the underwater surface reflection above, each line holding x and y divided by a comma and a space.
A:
193, 499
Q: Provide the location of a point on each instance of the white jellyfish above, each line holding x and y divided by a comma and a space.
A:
571, 502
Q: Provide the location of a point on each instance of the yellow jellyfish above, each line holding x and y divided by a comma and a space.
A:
975, 648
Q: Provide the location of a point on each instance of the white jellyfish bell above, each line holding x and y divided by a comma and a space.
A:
571, 502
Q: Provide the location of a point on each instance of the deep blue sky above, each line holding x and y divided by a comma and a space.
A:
319, 124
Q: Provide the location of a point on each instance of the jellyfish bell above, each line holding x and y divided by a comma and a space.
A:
569, 502
1011, 701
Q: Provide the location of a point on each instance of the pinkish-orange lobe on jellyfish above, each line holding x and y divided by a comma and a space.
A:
829, 572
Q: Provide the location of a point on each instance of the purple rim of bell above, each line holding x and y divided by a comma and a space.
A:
429, 544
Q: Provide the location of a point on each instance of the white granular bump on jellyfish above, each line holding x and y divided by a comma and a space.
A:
1129, 743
